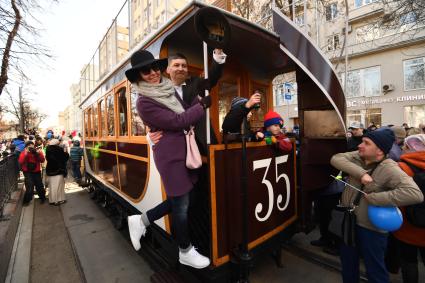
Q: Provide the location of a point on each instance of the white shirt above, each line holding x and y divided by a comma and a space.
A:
179, 89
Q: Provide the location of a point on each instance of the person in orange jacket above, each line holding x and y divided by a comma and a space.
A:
411, 238
30, 161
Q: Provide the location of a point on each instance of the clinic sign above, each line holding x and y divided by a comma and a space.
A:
355, 103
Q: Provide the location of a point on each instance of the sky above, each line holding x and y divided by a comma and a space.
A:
72, 30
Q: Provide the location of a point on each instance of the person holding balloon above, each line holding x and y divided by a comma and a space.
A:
384, 187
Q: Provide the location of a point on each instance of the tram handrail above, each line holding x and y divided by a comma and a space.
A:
9, 173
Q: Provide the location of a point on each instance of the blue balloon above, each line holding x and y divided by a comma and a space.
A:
388, 218
49, 135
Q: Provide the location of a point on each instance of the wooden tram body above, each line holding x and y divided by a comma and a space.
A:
119, 163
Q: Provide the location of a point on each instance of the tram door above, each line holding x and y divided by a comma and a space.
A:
237, 82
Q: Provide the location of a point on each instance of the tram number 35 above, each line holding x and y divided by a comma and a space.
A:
265, 163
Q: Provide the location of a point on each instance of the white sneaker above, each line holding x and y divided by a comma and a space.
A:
136, 230
194, 259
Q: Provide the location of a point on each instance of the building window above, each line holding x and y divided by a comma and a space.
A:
359, 3
333, 42
363, 82
367, 33
331, 12
414, 115
414, 74
299, 19
365, 116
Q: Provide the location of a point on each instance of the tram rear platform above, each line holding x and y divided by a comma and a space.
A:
77, 242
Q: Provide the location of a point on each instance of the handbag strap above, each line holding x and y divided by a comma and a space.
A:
359, 195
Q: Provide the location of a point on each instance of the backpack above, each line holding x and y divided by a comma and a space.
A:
415, 214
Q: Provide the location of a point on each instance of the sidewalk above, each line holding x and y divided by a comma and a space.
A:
74, 242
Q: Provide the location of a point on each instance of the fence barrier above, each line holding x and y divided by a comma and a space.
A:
9, 174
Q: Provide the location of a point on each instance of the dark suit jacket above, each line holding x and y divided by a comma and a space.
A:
196, 86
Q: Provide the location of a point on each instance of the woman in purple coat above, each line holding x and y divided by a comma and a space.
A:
162, 110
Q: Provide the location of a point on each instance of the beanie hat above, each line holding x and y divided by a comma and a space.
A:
399, 132
383, 138
237, 102
27, 143
272, 118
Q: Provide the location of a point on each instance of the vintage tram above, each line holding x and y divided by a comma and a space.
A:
277, 196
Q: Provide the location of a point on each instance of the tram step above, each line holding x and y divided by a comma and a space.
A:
166, 276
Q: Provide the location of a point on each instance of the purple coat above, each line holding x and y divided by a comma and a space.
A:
170, 152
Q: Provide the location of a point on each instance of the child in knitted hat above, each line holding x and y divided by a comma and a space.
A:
272, 133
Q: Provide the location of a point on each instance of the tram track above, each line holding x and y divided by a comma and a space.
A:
318, 259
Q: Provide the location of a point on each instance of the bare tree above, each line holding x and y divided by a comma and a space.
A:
21, 109
19, 39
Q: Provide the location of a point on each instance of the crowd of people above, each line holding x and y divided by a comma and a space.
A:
398, 155
44, 163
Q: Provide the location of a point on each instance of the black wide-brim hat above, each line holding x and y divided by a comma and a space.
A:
140, 59
212, 27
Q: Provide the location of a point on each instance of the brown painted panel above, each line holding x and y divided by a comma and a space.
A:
90, 158
133, 148
263, 215
133, 176
109, 145
107, 168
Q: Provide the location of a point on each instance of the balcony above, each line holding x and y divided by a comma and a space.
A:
365, 12
389, 41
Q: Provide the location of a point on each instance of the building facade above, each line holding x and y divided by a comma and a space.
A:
385, 70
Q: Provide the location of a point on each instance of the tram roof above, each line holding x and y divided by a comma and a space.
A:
180, 22
253, 46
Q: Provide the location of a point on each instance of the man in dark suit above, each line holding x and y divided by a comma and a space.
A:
188, 88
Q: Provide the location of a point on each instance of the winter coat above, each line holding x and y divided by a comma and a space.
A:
408, 233
76, 153
20, 145
28, 157
195, 86
56, 160
279, 141
390, 186
170, 152
233, 120
353, 143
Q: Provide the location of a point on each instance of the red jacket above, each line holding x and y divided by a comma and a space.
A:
27, 156
408, 233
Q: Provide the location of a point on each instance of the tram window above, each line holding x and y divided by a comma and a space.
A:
226, 92
86, 123
137, 126
94, 121
122, 112
257, 119
90, 128
102, 118
110, 115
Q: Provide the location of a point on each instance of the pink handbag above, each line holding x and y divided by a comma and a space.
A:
193, 157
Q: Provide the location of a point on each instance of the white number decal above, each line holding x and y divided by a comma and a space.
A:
265, 163
280, 160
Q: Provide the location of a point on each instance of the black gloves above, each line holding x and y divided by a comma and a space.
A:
205, 101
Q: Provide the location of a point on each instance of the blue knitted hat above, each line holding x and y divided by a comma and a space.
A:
383, 138
237, 102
